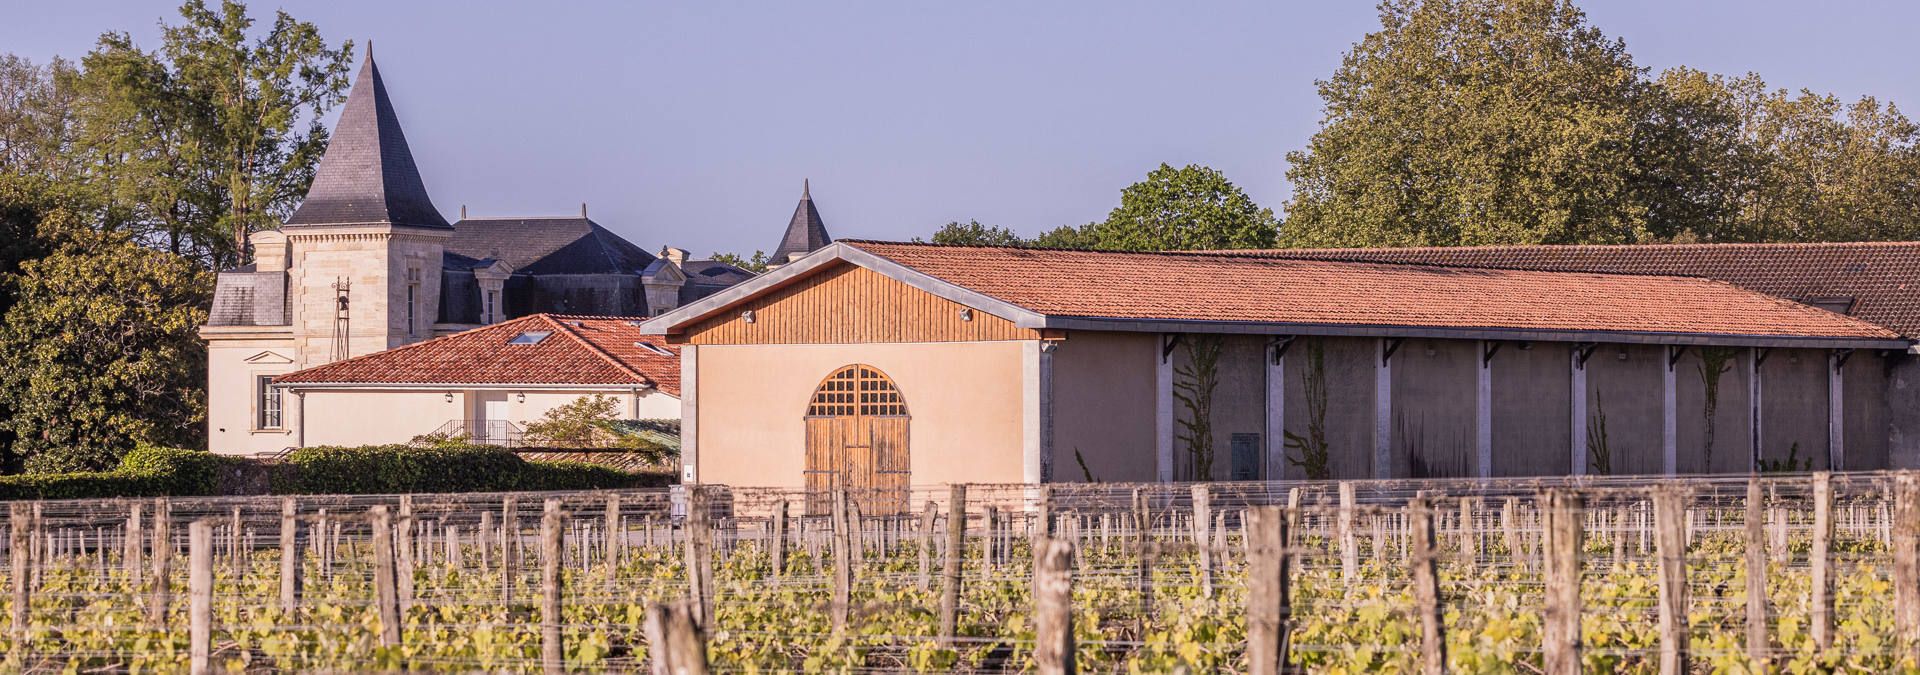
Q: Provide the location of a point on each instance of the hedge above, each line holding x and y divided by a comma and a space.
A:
154, 472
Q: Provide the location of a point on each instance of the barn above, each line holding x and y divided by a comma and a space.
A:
874, 365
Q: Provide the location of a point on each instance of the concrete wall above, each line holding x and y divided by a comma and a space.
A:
1793, 408
1903, 411
1239, 406
1347, 369
1434, 389
1864, 425
1731, 451
1626, 399
233, 364
1532, 417
1103, 406
966, 400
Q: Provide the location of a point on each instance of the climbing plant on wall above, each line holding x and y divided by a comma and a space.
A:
1714, 362
1599, 455
1309, 452
1193, 387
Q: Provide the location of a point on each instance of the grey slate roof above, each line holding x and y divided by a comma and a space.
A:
562, 245
806, 233
244, 297
367, 174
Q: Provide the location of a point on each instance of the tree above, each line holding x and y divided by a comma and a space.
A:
35, 116
102, 352
214, 136
972, 233
590, 422
1192, 207
756, 264
1474, 122
1828, 171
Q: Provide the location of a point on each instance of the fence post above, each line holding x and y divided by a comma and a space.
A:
1426, 587
509, 533
778, 540
950, 563
1349, 554
929, 518
386, 598
842, 562
1269, 588
1202, 522
162, 563
130, 556
1820, 605
289, 555
199, 596
1757, 642
1510, 532
1906, 562
1670, 543
552, 547
1563, 544
616, 537
1053, 606
674, 640
699, 553
18, 526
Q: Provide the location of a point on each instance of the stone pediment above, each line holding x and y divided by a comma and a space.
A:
269, 357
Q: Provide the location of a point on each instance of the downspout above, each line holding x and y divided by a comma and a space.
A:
300, 428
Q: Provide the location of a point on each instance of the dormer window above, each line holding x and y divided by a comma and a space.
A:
532, 337
657, 349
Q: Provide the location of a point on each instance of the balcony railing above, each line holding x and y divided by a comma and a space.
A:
483, 432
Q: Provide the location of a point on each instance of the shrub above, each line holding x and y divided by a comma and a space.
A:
382, 469
143, 472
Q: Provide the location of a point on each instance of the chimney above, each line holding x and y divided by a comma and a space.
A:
677, 256
463, 211
583, 209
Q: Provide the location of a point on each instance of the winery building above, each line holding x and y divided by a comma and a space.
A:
878, 365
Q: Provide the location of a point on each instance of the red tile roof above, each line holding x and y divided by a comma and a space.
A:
584, 350
1226, 287
1881, 278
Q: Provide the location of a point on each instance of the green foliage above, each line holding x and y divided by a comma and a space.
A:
592, 422
1714, 362
1463, 122
1193, 386
103, 353
756, 264
144, 472
972, 233
1599, 452
1792, 463
386, 469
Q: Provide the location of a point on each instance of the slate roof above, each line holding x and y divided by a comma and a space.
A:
806, 232
1874, 281
583, 350
555, 245
1264, 289
714, 272
367, 174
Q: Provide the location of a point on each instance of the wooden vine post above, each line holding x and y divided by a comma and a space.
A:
842, 562
289, 555
1906, 562
699, 553
777, 544
199, 596
1670, 544
385, 597
509, 567
1820, 602
162, 564
131, 549
615, 539
1756, 570
674, 639
1562, 543
1424, 559
18, 528
552, 548
1349, 553
929, 518
950, 563
1053, 606
1269, 589
1202, 519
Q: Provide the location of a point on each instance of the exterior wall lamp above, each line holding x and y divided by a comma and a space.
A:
449, 397
520, 397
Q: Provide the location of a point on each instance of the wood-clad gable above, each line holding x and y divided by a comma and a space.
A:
848, 304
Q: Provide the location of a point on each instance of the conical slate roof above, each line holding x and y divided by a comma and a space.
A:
367, 175
806, 232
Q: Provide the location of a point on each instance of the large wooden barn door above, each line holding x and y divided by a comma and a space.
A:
857, 439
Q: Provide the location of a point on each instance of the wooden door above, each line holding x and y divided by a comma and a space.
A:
857, 430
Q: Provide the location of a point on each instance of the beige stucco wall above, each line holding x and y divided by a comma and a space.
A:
232, 406
1103, 406
373, 417
1239, 405
965, 400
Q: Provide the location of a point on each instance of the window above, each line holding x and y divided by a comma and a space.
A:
532, 337
413, 292
657, 349
268, 403
486, 312
410, 321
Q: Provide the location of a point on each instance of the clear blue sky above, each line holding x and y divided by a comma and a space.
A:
693, 123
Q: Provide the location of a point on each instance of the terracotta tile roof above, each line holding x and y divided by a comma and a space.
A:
1223, 287
579, 350
1881, 279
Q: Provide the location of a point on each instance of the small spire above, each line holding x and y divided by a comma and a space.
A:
806, 188
369, 49
463, 211
583, 209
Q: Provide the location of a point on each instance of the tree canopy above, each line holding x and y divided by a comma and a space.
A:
1190, 207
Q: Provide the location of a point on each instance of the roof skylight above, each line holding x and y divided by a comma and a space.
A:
532, 337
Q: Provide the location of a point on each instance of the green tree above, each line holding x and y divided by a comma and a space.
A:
36, 104
1474, 122
102, 352
972, 233
1191, 207
756, 264
1828, 171
212, 137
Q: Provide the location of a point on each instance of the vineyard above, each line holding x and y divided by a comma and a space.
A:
1785, 574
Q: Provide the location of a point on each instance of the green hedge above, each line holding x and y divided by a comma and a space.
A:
381, 469
143, 472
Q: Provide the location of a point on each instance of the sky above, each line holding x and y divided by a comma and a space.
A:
692, 124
